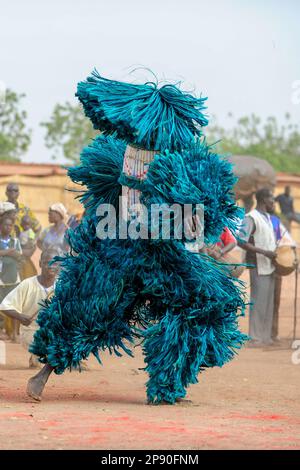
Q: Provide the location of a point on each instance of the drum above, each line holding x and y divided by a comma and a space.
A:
233, 259
286, 260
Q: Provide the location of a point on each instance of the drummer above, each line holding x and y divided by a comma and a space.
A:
257, 237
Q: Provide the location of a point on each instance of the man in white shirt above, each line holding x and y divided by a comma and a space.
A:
23, 302
257, 237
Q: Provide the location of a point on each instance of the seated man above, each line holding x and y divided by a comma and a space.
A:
22, 303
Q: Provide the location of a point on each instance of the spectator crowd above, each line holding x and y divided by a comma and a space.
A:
21, 287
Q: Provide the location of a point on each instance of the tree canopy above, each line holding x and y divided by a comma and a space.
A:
249, 135
68, 131
15, 137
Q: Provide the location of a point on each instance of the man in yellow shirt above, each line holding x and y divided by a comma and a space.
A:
12, 193
23, 302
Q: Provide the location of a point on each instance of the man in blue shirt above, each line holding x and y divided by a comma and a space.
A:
286, 203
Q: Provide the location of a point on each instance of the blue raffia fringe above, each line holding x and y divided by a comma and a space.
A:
145, 115
183, 306
101, 165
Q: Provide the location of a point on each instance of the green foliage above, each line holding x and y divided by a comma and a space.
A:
279, 145
15, 138
68, 131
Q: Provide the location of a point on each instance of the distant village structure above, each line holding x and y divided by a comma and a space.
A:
40, 186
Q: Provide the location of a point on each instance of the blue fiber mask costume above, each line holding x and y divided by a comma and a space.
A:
183, 305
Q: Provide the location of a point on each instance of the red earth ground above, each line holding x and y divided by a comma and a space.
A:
251, 403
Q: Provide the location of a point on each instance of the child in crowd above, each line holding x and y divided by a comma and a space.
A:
10, 260
27, 235
27, 239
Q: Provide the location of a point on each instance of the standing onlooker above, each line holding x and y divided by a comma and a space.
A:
12, 193
22, 303
286, 203
257, 237
10, 258
28, 244
54, 235
283, 238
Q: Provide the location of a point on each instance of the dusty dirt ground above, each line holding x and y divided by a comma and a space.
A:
251, 403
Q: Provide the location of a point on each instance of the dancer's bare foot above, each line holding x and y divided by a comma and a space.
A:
37, 383
34, 388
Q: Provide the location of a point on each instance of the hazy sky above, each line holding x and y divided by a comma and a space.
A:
243, 54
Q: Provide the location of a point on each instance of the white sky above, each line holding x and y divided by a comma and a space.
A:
242, 54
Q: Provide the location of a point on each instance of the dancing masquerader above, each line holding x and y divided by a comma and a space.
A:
184, 305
